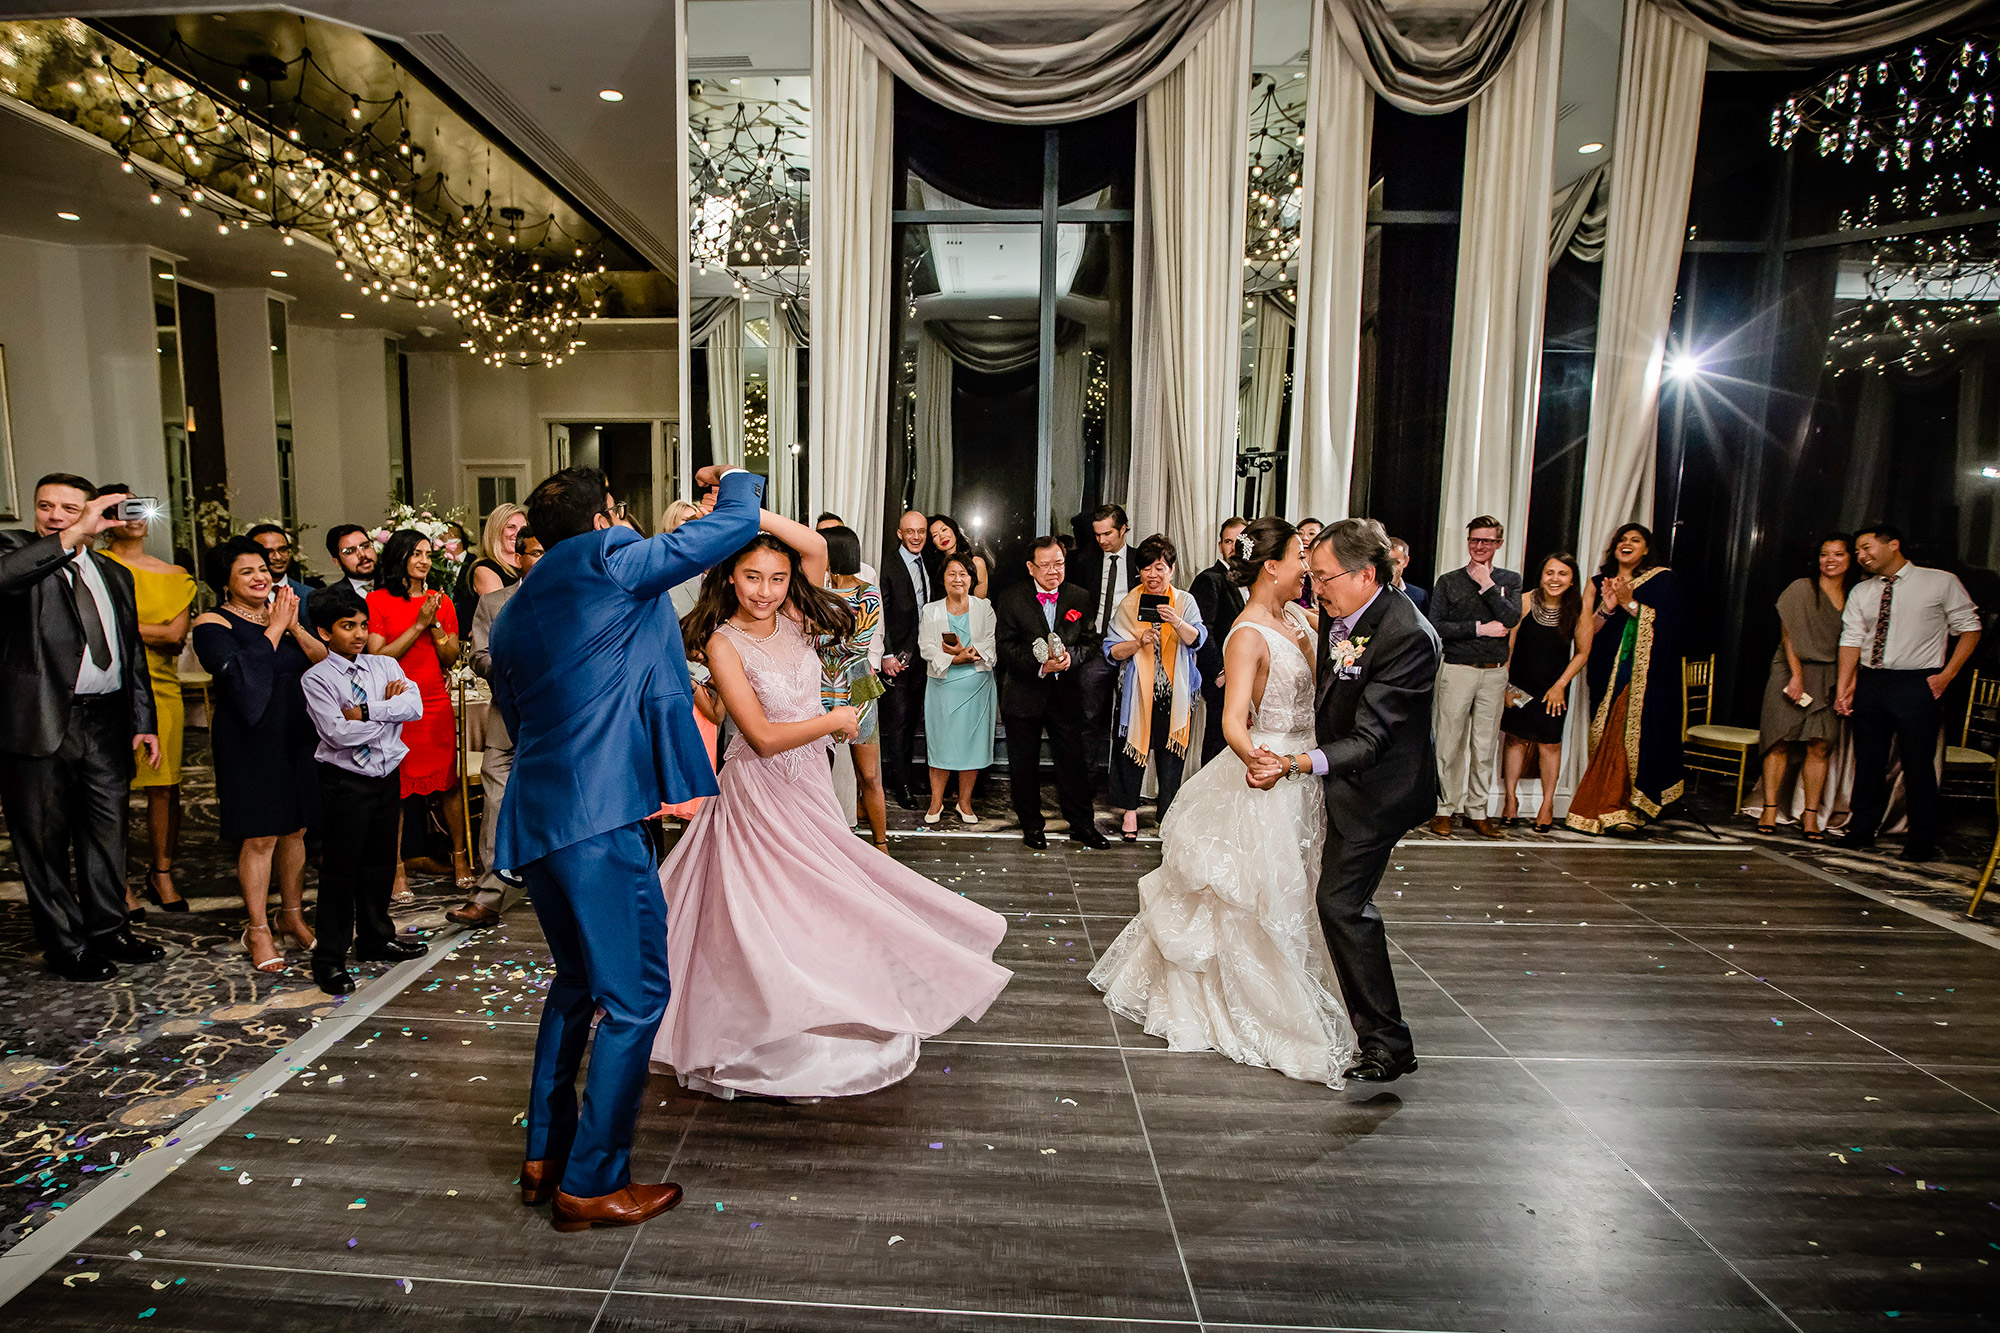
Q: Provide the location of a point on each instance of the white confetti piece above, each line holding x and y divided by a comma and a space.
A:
895, 1240
161, 1284
1048, 1152
243, 1179
75, 1278
136, 1255
298, 1181
1066, 1102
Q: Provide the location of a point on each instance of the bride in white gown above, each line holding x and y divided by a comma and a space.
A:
1226, 953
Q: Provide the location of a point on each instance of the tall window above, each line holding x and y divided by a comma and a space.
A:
1010, 395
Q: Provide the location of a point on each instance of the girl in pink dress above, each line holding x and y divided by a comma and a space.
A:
805, 963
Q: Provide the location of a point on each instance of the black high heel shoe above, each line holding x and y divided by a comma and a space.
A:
179, 904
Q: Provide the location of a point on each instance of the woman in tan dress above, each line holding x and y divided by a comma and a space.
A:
1798, 699
164, 593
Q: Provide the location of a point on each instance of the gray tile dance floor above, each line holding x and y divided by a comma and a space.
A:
1662, 1088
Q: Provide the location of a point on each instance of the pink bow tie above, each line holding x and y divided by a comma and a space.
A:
1046, 598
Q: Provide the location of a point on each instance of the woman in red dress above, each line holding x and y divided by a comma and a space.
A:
419, 629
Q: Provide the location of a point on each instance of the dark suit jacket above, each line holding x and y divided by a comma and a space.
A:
900, 608
1090, 572
41, 644
1219, 602
590, 677
1018, 622
1375, 729
1418, 596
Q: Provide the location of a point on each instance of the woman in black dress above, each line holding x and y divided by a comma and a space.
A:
1551, 645
497, 566
256, 648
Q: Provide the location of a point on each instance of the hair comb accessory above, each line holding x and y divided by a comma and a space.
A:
1244, 545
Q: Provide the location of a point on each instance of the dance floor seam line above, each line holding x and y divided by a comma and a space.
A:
1139, 1111
666, 1175
1951, 921
1741, 964
1605, 1145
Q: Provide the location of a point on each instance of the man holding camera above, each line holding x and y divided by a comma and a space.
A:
75, 702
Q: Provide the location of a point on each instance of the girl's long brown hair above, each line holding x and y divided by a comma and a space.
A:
820, 612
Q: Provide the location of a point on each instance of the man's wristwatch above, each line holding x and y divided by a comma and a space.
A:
1291, 766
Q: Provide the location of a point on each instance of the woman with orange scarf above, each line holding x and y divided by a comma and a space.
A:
1155, 632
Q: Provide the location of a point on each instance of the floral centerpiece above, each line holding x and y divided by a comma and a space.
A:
427, 516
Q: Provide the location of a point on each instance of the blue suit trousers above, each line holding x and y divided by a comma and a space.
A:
605, 917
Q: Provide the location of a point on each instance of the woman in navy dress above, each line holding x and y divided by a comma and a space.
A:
256, 647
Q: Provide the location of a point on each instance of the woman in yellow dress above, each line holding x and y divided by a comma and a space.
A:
164, 593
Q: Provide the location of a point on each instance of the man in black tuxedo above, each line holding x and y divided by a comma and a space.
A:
906, 586
75, 701
1107, 574
1219, 601
1378, 670
1044, 694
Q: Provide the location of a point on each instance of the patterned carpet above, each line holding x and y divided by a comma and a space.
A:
92, 1074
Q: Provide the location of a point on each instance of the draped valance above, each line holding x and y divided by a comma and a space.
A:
1430, 56
1814, 30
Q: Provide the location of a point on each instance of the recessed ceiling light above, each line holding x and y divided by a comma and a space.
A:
69, 217
1591, 148
279, 273
347, 314
612, 95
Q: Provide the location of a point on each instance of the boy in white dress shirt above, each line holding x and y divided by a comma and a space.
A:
358, 702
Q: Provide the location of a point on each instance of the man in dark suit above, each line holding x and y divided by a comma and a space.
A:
1378, 670
353, 551
1399, 560
906, 586
1042, 693
75, 701
1219, 601
1107, 574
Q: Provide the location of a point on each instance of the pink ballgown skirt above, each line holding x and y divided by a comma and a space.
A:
804, 962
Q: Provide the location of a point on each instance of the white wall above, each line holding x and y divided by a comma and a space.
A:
462, 409
249, 407
83, 383
340, 431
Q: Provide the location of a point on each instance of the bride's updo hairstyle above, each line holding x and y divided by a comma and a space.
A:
1265, 539
821, 614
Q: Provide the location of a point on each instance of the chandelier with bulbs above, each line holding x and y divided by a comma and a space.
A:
1917, 106
264, 154
1928, 292
750, 212
1276, 195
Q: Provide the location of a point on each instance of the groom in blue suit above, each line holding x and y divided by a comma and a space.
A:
590, 676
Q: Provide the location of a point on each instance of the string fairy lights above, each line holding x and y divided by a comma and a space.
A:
287, 148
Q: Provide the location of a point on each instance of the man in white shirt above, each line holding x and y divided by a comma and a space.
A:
1110, 577
906, 587
1893, 671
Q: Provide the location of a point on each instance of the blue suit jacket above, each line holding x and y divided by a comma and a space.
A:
589, 674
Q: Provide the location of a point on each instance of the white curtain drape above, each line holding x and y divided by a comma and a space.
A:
1263, 401
1577, 215
852, 157
1496, 329
1326, 362
1066, 446
1194, 159
725, 385
1660, 71
783, 377
934, 380
1031, 62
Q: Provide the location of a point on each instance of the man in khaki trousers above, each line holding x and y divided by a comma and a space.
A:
1473, 609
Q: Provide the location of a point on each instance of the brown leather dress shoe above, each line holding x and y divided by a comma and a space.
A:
539, 1180
1441, 825
474, 914
1486, 828
624, 1208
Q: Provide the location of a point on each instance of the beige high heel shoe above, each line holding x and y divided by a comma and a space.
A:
268, 959
292, 926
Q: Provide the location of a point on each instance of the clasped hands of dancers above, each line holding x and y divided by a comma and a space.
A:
805, 963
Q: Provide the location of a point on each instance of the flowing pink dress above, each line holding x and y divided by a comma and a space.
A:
805, 963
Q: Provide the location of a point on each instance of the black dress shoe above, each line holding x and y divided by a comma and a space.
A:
332, 978
1381, 1067
122, 946
1035, 842
389, 951
82, 966
1088, 836
1852, 842
906, 798
1917, 852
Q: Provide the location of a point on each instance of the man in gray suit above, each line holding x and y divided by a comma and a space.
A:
496, 887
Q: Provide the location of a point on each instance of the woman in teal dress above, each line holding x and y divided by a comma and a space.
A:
955, 636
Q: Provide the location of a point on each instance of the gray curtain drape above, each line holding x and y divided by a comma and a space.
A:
1066, 445
725, 384
1033, 62
1262, 401
1430, 55
1577, 216
783, 414
702, 316
1814, 30
933, 420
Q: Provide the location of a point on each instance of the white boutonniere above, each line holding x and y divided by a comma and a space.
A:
1347, 655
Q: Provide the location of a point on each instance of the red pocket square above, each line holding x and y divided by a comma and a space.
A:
1072, 614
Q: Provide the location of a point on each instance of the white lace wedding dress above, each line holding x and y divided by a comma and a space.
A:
1226, 953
